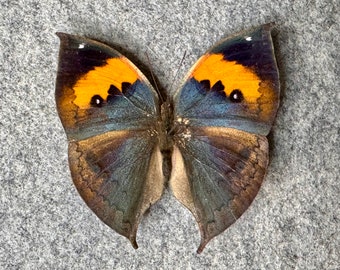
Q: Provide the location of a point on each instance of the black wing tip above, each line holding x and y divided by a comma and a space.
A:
60, 34
66, 38
271, 28
63, 36
76, 39
268, 26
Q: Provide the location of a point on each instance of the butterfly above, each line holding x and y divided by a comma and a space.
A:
212, 131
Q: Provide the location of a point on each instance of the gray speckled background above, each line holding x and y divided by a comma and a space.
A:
294, 221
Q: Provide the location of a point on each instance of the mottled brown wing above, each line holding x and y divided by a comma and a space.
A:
217, 173
119, 176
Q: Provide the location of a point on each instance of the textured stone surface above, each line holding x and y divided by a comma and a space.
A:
294, 221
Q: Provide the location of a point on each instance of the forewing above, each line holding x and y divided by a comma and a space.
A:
109, 112
235, 84
100, 90
217, 173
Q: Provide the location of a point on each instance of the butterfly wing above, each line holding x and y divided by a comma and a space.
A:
223, 112
235, 84
109, 112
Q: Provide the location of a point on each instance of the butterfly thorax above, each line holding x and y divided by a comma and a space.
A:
173, 129
165, 127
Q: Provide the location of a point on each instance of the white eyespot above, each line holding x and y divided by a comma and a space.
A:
81, 46
248, 38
